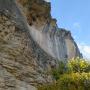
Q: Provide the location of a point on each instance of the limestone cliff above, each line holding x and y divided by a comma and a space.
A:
30, 44
55, 41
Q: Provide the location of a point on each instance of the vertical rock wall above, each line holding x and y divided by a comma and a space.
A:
55, 41
31, 44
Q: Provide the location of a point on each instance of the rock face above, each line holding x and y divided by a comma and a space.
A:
57, 42
30, 44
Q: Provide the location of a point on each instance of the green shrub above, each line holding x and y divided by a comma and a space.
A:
74, 81
78, 65
49, 87
59, 71
75, 75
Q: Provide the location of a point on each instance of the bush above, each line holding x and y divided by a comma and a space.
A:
59, 71
49, 87
78, 65
74, 81
75, 75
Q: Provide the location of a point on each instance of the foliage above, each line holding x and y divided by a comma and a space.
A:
49, 87
75, 75
78, 65
75, 81
58, 71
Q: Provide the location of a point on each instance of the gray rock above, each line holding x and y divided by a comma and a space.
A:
28, 53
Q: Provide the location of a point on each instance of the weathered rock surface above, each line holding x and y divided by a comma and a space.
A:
55, 41
30, 48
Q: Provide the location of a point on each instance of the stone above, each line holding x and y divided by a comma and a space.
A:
29, 52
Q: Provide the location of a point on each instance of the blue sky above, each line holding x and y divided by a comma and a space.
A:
74, 15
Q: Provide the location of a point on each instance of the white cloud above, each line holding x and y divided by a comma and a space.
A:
77, 26
85, 50
47, 0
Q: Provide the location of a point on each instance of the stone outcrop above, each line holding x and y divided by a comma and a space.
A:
55, 41
31, 44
